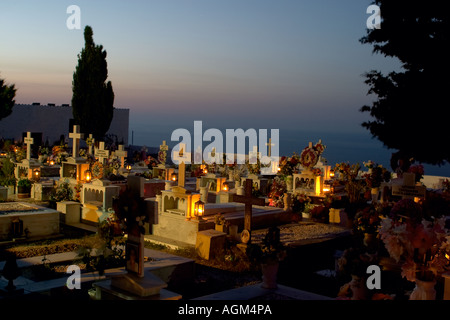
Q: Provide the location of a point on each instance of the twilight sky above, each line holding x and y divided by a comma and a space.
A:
278, 63
274, 64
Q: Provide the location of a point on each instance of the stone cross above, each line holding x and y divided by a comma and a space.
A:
408, 190
76, 136
122, 154
101, 153
270, 145
90, 145
254, 154
249, 201
28, 141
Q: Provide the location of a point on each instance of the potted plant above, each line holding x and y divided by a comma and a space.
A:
221, 224
269, 254
23, 188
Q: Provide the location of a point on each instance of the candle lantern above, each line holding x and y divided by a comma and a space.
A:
88, 176
199, 209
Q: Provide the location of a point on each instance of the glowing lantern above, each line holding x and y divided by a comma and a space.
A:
173, 177
225, 186
199, 209
88, 176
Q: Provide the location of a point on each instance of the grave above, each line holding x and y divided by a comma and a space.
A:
249, 201
134, 283
27, 220
177, 219
97, 200
74, 169
27, 166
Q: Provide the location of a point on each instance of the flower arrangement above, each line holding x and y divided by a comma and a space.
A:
349, 175
130, 210
97, 170
376, 175
162, 156
151, 162
367, 220
219, 219
421, 245
43, 150
299, 202
310, 155
320, 213
288, 165
418, 170
270, 251
277, 190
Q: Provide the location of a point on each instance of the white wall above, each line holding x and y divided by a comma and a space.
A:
53, 121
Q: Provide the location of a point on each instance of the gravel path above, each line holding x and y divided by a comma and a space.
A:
295, 232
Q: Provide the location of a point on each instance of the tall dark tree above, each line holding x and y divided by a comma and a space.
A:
7, 102
410, 112
93, 97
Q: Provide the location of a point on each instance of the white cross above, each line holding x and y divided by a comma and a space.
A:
101, 153
253, 154
122, 154
76, 136
91, 137
28, 141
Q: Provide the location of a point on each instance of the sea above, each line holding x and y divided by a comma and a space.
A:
351, 147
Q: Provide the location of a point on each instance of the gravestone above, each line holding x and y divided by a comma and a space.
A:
249, 202
121, 154
408, 188
101, 153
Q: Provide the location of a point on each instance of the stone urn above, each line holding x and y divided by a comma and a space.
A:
424, 289
269, 275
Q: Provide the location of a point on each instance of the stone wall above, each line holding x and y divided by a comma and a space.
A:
53, 121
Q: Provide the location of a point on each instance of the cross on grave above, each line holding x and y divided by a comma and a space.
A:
254, 155
270, 145
249, 201
122, 154
409, 189
28, 141
101, 153
76, 136
91, 143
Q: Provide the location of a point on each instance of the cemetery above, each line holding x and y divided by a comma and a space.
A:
307, 233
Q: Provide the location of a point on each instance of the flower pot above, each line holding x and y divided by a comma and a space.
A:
269, 275
424, 290
221, 227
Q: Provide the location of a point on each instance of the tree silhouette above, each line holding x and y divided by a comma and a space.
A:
93, 97
409, 114
7, 94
